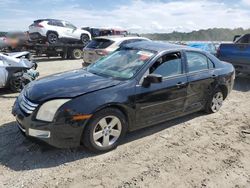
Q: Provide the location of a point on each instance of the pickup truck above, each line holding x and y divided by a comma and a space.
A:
237, 53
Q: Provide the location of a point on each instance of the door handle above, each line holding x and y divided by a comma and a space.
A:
180, 84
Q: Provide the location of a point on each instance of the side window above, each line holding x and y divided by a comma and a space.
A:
244, 39
55, 23
59, 24
69, 25
196, 61
167, 65
52, 22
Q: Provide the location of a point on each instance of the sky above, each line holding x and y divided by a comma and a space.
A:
141, 16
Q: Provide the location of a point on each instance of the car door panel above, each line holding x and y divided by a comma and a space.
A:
200, 82
161, 101
199, 86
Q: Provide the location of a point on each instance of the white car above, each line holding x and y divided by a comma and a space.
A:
53, 30
102, 46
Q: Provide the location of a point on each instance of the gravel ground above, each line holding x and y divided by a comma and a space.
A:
198, 150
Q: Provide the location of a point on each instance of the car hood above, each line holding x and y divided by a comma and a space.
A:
66, 85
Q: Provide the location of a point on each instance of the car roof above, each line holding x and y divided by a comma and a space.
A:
47, 19
159, 46
119, 38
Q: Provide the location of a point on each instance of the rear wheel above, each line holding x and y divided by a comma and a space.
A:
84, 39
105, 130
215, 102
76, 54
52, 37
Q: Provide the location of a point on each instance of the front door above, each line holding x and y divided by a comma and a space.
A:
162, 101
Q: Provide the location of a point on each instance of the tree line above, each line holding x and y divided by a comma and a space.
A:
215, 34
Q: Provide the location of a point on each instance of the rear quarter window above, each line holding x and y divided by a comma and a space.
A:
99, 43
55, 23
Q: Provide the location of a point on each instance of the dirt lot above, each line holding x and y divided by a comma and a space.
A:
198, 150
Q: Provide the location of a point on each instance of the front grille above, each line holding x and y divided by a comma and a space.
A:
27, 106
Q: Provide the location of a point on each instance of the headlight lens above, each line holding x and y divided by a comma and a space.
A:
47, 111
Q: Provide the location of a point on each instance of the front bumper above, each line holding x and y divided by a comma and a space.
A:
57, 134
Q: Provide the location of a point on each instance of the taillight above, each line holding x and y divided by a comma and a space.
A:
102, 52
39, 25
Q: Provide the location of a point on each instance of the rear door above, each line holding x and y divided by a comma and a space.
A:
162, 101
201, 80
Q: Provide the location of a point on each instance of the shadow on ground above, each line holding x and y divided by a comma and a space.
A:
47, 59
19, 153
7, 93
242, 83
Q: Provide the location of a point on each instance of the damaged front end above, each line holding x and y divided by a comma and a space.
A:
15, 73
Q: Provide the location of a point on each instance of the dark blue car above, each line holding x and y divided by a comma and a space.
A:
138, 85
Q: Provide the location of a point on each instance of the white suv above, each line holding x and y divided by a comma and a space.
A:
102, 46
54, 30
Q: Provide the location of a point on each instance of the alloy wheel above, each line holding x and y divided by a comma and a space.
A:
52, 38
217, 102
107, 131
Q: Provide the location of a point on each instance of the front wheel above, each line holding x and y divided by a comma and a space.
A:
215, 102
105, 130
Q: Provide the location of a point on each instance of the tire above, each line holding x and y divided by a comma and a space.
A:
17, 84
215, 102
237, 73
107, 138
76, 54
52, 37
84, 39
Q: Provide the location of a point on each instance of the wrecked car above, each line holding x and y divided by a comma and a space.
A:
139, 85
15, 72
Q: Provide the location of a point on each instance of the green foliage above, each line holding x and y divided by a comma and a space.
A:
215, 34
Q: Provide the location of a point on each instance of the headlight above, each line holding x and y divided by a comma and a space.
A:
47, 111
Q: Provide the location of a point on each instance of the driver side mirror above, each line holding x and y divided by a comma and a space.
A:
152, 79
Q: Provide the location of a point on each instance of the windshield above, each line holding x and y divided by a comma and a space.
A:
123, 64
99, 43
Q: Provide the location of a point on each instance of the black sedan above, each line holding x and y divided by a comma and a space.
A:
139, 85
